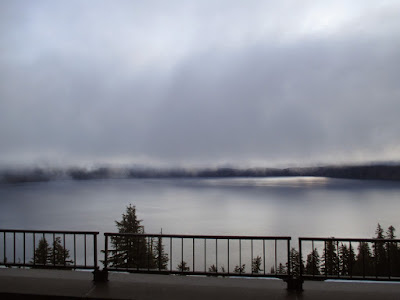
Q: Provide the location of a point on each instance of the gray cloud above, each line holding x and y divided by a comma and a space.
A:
199, 82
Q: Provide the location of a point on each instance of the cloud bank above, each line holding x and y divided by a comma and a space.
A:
188, 82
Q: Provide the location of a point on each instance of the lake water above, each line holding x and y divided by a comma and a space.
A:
293, 206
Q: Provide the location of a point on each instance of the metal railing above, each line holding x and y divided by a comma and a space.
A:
48, 249
349, 258
211, 255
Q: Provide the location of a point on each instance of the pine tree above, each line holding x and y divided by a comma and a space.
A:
346, 260
379, 252
364, 261
59, 255
131, 251
393, 251
256, 265
240, 269
281, 269
313, 263
183, 266
295, 262
42, 253
160, 257
330, 260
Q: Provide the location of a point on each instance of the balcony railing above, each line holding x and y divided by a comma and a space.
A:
48, 249
357, 259
211, 255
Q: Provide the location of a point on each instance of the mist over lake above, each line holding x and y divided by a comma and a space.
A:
290, 206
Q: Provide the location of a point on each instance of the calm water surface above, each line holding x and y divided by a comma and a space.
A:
295, 206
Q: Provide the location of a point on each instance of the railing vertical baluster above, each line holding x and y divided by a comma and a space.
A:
205, 255
363, 259
313, 258
288, 258
389, 248
264, 254
106, 251
351, 263
376, 261
148, 253
338, 258
85, 249
251, 262
216, 255
193, 254
65, 251
34, 248
14, 246
182, 254
301, 256
240, 256
276, 258
75, 251
54, 249
228, 256
326, 271
5, 248
24, 247
170, 251
95, 251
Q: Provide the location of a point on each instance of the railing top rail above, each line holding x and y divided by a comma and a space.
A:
231, 237
348, 239
49, 231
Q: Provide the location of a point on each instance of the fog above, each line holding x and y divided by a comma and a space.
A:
199, 83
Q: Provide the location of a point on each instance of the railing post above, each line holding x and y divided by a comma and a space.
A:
100, 276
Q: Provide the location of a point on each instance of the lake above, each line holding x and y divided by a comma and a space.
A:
291, 206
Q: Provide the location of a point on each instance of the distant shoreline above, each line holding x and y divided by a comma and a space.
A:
363, 172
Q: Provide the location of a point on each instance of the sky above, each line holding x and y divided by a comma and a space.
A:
199, 83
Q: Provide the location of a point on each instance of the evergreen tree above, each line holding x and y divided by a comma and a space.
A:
160, 257
42, 253
393, 252
240, 269
183, 267
281, 269
212, 269
347, 260
313, 263
128, 251
330, 260
59, 255
256, 265
364, 261
295, 262
379, 252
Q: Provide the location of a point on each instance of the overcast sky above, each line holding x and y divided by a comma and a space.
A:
250, 83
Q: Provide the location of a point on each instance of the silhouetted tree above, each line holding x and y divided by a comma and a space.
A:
183, 267
364, 260
240, 269
212, 269
379, 252
313, 263
347, 260
281, 269
42, 253
59, 255
131, 251
330, 260
160, 257
295, 262
256, 265
393, 252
